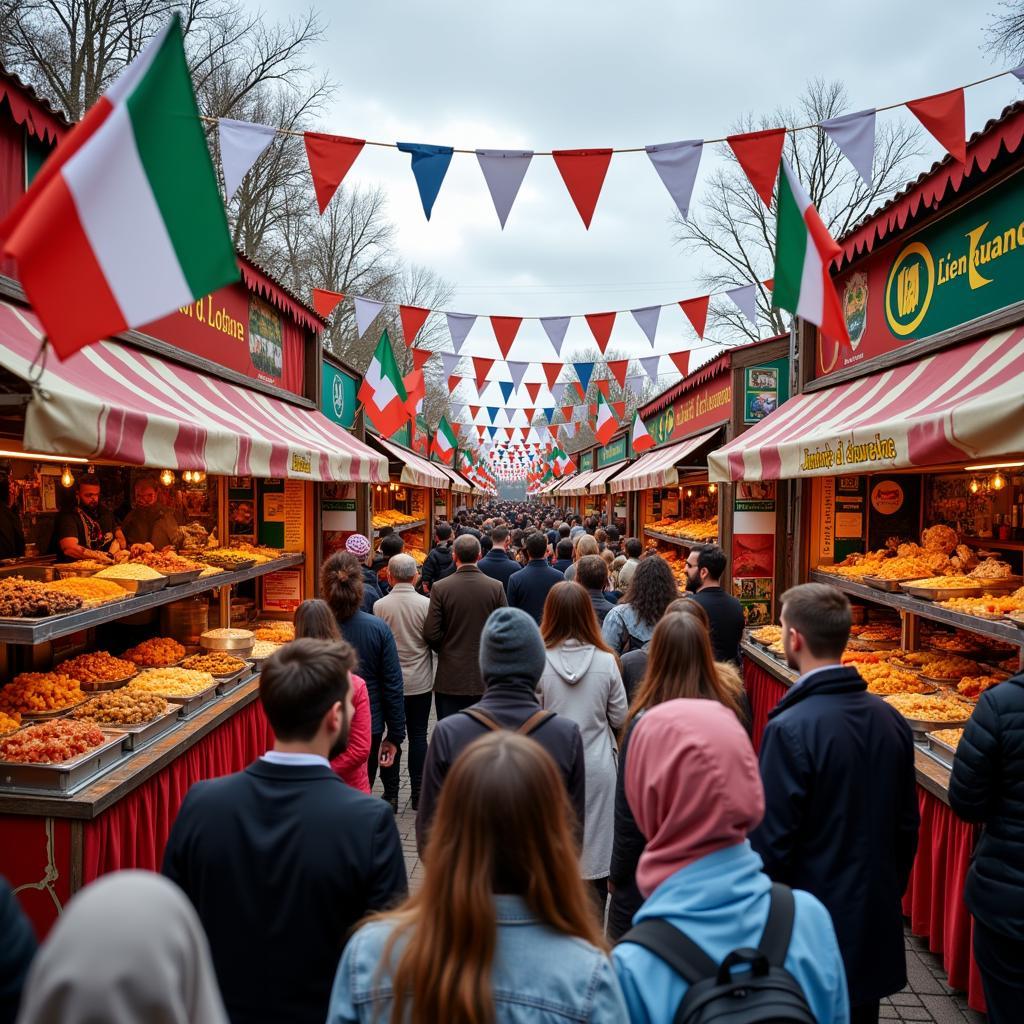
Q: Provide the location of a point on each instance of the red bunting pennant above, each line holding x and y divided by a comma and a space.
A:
553, 430
481, 367
530, 414
619, 408
474, 411
551, 372
480, 429
682, 361
533, 390
696, 311
943, 116
415, 389
453, 382
600, 325
583, 171
593, 408
759, 154
604, 386
578, 388
420, 357
330, 157
770, 284
505, 330
618, 368
413, 318
567, 412
326, 301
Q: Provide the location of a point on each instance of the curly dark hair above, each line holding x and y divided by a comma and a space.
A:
651, 590
341, 584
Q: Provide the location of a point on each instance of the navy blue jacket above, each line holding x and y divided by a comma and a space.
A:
371, 589
987, 786
528, 588
841, 817
378, 664
561, 564
16, 952
498, 565
602, 606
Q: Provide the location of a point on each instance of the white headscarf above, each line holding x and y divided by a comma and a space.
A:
129, 949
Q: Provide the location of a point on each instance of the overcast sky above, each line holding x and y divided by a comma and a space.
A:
579, 73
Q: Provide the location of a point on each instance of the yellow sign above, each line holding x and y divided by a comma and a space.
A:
908, 292
301, 463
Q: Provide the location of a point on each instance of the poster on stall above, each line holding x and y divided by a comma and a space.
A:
337, 516
242, 516
753, 549
281, 590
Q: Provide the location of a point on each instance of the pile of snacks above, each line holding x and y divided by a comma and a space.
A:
228, 633
418, 556
391, 517
36, 692
129, 571
275, 632
171, 682
946, 583
939, 666
91, 590
951, 737
51, 742
879, 633
226, 559
940, 708
217, 663
697, 529
21, 599
940, 538
886, 678
264, 649
992, 569
955, 643
83, 565
972, 687
985, 607
9, 722
98, 667
158, 652
165, 562
767, 634
119, 707
856, 565
210, 570
910, 567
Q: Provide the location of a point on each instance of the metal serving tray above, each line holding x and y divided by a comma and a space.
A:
1001, 585
107, 684
889, 586
139, 587
190, 705
43, 716
139, 736
942, 593
225, 684
36, 573
939, 750
175, 579
63, 779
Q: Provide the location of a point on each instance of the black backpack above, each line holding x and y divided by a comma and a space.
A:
763, 993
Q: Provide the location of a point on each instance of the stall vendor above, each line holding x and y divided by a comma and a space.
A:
150, 521
88, 531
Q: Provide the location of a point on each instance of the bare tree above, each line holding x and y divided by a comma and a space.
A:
1004, 36
737, 231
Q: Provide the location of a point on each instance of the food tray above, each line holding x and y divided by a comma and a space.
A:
36, 573
63, 779
225, 684
140, 587
175, 579
41, 716
190, 705
1001, 584
949, 682
238, 646
922, 727
107, 684
1017, 618
940, 751
889, 586
942, 593
139, 736
66, 572
240, 566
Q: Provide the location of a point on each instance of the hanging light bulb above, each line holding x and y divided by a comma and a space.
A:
998, 482
187, 476
199, 476
689, 492
66, 479
167, 478
712, 488
974, 486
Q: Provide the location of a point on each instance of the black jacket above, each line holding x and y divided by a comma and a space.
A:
627, 846
528, 589
725, 614
602, 606
371, 589
561, 564
438, 564
17, 948
510, 704
498, 565
633, 665
841, 817
280, 862
987, 786
377, 662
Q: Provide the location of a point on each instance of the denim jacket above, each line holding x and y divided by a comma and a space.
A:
539, 976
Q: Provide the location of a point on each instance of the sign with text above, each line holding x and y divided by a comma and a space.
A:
585, 462
614, 451
338, 396
281, 591
765, 388
753, 549
702, 407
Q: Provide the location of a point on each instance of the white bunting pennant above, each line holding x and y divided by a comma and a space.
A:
504, 170
580, 412
745, 300
854, 134
676, 164
449, 360
647, 318
459, 325
636, 384
570, 428
558, 393
1018, 73
555, 328
518, 371
650, 365
241, 145
366, 313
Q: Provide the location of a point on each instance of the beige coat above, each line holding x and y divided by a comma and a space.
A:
405, 612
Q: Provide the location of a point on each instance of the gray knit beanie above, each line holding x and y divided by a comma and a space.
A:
511, 648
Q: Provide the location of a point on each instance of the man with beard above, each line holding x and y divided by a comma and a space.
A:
87, 531
705, 567
281, 860
150, 521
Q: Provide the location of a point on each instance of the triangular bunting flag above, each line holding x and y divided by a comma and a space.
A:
759, 154
492, 413
567, 411
533, 390
1018, 73
619, 408
604, 386
326, 301
605, 426
676, 164
641, 439
583, 371
382, 392
415, 389
555, 328
647, 318
650, 365
481, 367
583, 171
636, 383
854, 134
530, 413
459, 325
518, 370
366, 313
507, 387
744, 299
505, 330
578, 387
696, 311
413, 318
503, 171
548, 414
453, 382
420, 357
474, 411
449, 360
618, 368
681, 360
943, 116
558, 391
330, 157
600, 325
429, 166
241, 145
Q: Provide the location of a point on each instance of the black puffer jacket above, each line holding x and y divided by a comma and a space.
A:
437, 565
987, 786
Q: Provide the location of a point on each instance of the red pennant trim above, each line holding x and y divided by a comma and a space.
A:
759, 154
682, 361
696, 311
593, 408
553, 429
943, 116
551, 372
480, 369
600, 325
330, 157
505, 330
325, 301
567, 412
530, 413
618, 368
770, 284
420, 357
619, 408
583, 171
533, 390
453, 382
578, 387
474, 411
413, 318
604, 386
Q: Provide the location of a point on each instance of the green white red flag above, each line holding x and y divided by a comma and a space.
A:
803, 251
641, 439
382, 392
124, 222
606, 424
445, 441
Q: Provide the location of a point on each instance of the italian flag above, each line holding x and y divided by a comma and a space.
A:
124, 222
444, 441
803, 251
382, 391
641, 439
606, 423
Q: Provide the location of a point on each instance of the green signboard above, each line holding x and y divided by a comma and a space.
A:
585, 462
401, 436
614, 451
338, 396
765, 388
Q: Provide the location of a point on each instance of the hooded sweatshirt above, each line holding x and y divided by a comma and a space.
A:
698, 871
583, 684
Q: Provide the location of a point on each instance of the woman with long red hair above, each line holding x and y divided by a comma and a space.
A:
501, 931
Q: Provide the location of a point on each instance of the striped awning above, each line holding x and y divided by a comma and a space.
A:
110, 401
959, 405
599, 484
459, 486
416, 470
578, 484
658, 468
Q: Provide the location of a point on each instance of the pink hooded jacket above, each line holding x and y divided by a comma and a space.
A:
693, 784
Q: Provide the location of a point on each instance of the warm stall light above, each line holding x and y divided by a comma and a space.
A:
998, 482
689, 492
974, 486
187, 476
37, 457
994, 465
712, 488
66, 478
167, 478
199, 477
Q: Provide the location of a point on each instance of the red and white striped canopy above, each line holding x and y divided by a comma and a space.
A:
960, 404
459, 486
658, 468
600, 481
416, 470
110, 401
578, 484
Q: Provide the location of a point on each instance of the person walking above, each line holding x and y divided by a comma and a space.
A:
699, 874
512, 660
459, 606
341, 586
439, 563
630, 624
360, 548
500, 929
987, 788
583, 545
581, 682
705, 567
315, 619
16, 952
405, 612
592, 576
282, 859
679, 666
828, 826
528, 589
563, 555
498, 563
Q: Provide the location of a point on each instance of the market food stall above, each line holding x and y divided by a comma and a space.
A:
610, 460
904, 458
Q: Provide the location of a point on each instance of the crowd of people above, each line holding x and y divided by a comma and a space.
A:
599, 840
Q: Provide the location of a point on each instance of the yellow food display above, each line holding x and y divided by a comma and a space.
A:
885, 678
128, 571
97, 667
973, 687
157, 652
940, 666
946, 583
171, 682
391, 517
694, 529
89, 588
938, 708
985, 607
767, 634
34, 692
951, 737
9, 722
